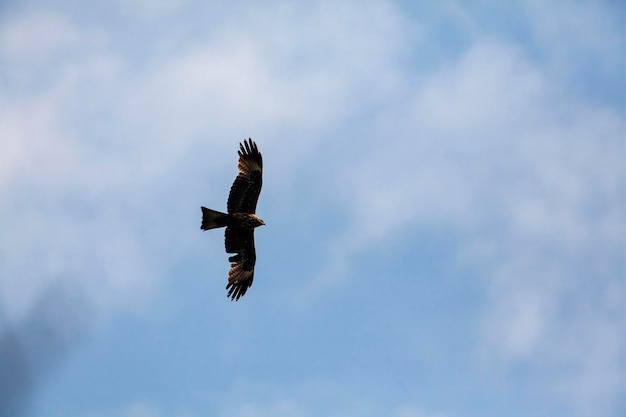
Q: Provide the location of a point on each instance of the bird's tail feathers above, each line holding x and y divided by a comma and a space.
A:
212, 219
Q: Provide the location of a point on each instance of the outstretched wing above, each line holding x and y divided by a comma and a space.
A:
245, 191
240, 242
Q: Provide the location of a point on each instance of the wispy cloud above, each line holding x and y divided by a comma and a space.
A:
92, 134
531, 178
106, 144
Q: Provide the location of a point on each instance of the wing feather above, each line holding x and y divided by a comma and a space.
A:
244, 193
241, 273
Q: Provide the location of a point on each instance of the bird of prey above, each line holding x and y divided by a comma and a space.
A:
240, 220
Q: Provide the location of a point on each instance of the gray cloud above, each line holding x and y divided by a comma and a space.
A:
16, 379
38, 344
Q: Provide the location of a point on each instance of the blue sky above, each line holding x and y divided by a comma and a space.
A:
444, 193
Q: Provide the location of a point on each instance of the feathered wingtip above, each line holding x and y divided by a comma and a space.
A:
236, 291
239, 279
248, 149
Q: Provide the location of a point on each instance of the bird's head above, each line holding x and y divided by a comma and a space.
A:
257, 221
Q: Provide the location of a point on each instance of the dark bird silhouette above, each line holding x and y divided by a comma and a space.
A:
240, 220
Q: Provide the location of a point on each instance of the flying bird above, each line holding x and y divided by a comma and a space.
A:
241, 220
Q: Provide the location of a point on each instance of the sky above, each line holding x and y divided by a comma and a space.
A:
444, 192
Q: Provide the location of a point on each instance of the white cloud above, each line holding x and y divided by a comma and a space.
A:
140, 408
414, 411
307, 398
486, 144
278, 408
150, 10
93, 133
284, 71
37, 37
531, 179
584, 33
442, 150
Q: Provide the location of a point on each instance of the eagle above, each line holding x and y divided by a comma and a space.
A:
241, 220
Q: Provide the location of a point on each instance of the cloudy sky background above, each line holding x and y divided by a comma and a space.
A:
444, 193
